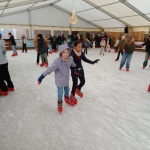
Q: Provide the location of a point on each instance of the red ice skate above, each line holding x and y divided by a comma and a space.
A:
42, 64
73, 98
116, 59
144, 67
127, 69
60, 108
13, 55
68, 101
149, 88
3, 92
79, 93
109, 51
120, 68
11, 89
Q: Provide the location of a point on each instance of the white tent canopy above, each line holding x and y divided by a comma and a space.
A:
100, 13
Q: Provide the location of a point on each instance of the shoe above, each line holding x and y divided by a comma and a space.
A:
37, 63
109, 51
42, 64
100, 53
73, 98
46, 64
25, 51
79, 93
127, 69
60, 107
68, 101
3, 92
116, 59
13, 55
149, 88
120, 68
11, 89
103, 54
50, 52
22, 51
105, 50
16, 54
144, 67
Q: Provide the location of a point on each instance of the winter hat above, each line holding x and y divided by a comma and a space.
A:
61, 48
123, 37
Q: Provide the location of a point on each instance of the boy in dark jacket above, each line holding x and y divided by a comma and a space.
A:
78, 55
42, 50
13, 43
147, 55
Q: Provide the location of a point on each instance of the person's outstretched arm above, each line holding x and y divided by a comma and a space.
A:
49, 70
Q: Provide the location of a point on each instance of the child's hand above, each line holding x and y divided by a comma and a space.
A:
40, 79
96, 61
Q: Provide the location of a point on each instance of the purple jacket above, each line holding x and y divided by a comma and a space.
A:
61, 68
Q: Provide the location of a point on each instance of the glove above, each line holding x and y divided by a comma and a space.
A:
40, 79
96, 61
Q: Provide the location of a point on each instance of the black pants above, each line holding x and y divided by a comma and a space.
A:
85, 50
75, 83
119, 54
24, 47
4, 76
54, 46
38, 57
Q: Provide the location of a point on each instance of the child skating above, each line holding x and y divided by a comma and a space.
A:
61, 66
78, 55
103, 45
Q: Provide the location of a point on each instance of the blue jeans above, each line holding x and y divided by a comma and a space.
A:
60, 92
14, 49
50, 48
126, 57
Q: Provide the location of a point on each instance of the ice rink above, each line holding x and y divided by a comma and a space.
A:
113, 115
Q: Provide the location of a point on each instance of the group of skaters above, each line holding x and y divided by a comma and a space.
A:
70, 56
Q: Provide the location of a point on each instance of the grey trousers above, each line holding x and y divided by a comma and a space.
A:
44, 57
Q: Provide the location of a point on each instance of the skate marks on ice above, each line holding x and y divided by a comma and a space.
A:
113, 115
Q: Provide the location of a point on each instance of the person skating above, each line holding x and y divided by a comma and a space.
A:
36, 48
147, 55
86, 44
13, 43
4, 73
116, 44
103, 45
24, 42
78, 55
120, 47
42, 49
61, 66
129, 48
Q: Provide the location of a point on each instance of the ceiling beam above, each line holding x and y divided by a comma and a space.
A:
5, 7
106, 12
19, 4
134, 9
68, 12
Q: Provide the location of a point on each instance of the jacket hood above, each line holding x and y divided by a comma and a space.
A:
61, 48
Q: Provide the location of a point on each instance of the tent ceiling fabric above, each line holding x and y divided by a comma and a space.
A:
104, 13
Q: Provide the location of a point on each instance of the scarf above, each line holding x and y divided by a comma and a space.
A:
77, 53
66, 60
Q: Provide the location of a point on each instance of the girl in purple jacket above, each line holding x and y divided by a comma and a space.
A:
61, 66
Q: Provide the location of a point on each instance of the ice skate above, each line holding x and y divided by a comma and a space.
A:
13, 55
116, 59
149, 88
79, 93
3, 93
68, 101
42, 64
73, 98
120, 68
11, 89
144, 67
60, 107
127, 69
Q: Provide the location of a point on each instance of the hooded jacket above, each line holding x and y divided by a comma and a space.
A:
3, 58
61, 68
12, 40
42, 46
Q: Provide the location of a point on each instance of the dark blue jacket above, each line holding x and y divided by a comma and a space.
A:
78, 62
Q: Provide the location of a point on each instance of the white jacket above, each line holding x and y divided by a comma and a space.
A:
25, 41
3, 58
116, 43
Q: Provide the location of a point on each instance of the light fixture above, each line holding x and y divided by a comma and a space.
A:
73, 18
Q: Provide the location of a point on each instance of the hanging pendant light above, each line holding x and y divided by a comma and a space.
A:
73, 18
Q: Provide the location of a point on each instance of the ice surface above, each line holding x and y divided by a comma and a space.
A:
113, 115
